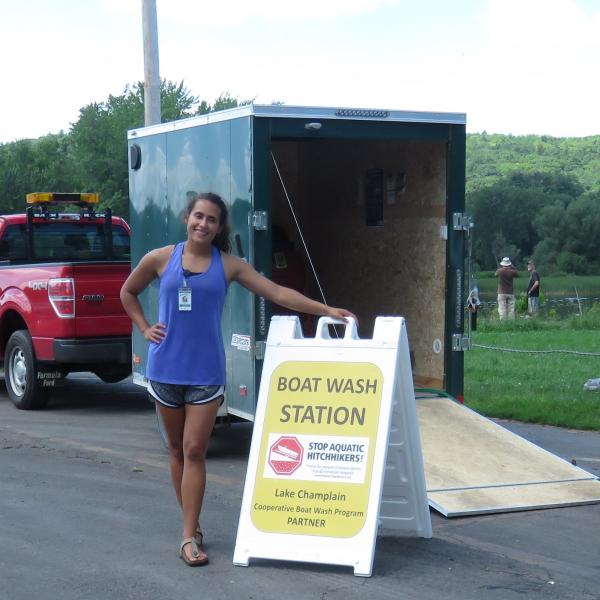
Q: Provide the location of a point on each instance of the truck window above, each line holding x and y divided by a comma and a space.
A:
13, 245
56, 241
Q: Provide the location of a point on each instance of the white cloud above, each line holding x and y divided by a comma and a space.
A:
58, 62
546, 35
536, 71
529, 22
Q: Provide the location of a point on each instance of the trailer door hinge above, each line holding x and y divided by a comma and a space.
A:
460, 342
259, 350
260, 220
462, 222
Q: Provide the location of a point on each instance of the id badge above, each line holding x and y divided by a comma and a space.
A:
185, 299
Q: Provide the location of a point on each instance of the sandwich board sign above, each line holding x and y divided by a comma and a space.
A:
335, 449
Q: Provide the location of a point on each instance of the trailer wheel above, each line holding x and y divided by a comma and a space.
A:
19, 373
112, 373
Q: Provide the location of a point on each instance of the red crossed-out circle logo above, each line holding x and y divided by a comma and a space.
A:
285, 455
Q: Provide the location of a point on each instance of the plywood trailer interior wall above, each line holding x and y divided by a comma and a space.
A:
395, 268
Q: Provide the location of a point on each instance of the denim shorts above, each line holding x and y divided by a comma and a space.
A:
174, 395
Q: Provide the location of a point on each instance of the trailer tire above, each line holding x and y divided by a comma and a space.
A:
19, 373
113, 374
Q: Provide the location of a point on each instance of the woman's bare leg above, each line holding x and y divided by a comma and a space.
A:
174, 421
199, 423
188, 431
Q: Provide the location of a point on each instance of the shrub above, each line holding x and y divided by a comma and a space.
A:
590, 319
521, 304
572, 263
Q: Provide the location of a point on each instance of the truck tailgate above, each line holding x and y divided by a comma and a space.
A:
98, 308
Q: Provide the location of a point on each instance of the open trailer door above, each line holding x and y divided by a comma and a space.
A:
370, 203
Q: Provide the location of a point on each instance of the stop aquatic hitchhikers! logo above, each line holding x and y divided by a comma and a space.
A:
285, 455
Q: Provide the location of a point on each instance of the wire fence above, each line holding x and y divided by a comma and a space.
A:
523, 351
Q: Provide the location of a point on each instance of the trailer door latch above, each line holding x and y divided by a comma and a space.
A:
460, 342
260, 220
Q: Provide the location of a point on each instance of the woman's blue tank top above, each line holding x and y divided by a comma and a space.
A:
192, 352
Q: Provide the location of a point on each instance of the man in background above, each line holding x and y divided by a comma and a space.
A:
533, 289
506, 295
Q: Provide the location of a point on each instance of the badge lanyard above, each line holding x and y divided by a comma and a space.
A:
185, 297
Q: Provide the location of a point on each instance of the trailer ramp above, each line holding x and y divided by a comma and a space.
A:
474, 466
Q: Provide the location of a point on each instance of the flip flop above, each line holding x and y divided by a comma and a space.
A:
197, 552
200, 535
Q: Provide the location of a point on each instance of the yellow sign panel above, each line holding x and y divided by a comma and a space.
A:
317, 447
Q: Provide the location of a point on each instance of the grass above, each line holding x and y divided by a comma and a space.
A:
536, 388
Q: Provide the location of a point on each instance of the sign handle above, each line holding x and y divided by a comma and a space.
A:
350, 332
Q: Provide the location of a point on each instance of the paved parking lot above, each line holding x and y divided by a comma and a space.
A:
86, 511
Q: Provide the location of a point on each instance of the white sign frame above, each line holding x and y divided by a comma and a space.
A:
388, 350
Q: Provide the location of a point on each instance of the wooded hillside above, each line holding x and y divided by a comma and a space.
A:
535, 196
490, 157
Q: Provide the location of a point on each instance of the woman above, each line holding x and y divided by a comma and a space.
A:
186, 358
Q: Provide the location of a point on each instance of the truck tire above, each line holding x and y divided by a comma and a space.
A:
19, 373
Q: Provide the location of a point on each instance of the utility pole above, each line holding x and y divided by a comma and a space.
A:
151, 70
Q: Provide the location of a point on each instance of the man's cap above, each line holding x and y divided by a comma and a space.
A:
505, 262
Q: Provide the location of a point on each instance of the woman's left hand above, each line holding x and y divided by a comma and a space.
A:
340, 313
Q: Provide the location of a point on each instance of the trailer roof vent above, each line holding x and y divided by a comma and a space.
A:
365, 114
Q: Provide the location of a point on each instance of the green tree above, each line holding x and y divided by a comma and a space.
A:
93, 155
493, 157
569, 240
223, 102
503, 218
15, 178
99, 137
515, 214
42, 165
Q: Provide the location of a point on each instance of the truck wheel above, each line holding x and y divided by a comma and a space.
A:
19, 373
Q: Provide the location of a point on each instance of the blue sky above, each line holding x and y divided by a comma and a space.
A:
513, 66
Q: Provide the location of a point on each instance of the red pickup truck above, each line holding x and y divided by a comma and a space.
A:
60, 276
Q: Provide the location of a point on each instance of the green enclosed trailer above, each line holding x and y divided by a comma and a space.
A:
371, 200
